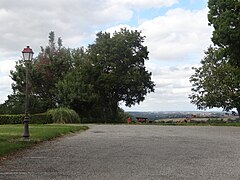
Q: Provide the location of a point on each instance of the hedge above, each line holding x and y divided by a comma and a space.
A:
33, 119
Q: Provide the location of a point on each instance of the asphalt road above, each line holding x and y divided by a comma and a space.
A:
135, 152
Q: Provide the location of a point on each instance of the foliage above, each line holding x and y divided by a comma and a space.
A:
42, 118
10, 135
11, 119
111, 70
33, 119
122, 55
15, 104
91, 81
75, 92
52, 64
224, 16
64, 115
216, 83
123, 116
49, 67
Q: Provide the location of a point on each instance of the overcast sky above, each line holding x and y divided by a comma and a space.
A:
177, 33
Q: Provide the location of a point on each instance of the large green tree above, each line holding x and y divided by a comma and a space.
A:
216, 83
113, 71
224, 16
49, 67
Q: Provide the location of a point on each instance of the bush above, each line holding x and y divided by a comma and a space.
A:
121, 117
33, 119
64, 115
11, 119
42, 118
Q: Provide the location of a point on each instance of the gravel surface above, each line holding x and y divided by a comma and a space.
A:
137, 152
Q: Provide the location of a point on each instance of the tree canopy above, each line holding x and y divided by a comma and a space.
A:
224, 16
112, 71
216, 83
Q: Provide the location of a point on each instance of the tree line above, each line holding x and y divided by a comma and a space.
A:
92, 80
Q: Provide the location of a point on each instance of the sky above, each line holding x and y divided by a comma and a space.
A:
177, 33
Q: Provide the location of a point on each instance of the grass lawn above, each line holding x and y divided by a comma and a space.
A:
11, 135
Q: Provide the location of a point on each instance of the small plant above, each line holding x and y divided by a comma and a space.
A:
64, 115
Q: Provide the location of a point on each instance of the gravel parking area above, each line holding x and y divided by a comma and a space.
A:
135, 152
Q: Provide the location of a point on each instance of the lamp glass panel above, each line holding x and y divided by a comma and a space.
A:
27, 56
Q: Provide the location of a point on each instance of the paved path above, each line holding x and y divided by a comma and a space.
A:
122, 152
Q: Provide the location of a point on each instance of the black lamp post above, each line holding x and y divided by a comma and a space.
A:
27, 56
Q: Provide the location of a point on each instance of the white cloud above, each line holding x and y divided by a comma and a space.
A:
171, 91
118, 27
29, 22
177, 34
5, 88
145, 3
5, 80
6, 66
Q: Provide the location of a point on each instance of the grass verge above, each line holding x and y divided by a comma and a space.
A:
11, 135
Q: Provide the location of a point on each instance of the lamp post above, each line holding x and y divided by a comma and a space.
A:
27, 56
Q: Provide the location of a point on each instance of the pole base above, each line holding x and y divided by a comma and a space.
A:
26, 128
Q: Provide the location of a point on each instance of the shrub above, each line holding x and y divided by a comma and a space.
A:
123, 116
33, 119
11, 119
64, 115
42, 118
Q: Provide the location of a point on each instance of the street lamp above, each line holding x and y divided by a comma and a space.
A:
27, 57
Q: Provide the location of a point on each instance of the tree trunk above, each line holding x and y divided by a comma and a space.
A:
238, 110
113, 108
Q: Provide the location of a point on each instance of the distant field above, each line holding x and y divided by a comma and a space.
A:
225, 119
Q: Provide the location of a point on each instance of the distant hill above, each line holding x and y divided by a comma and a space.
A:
176, 114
